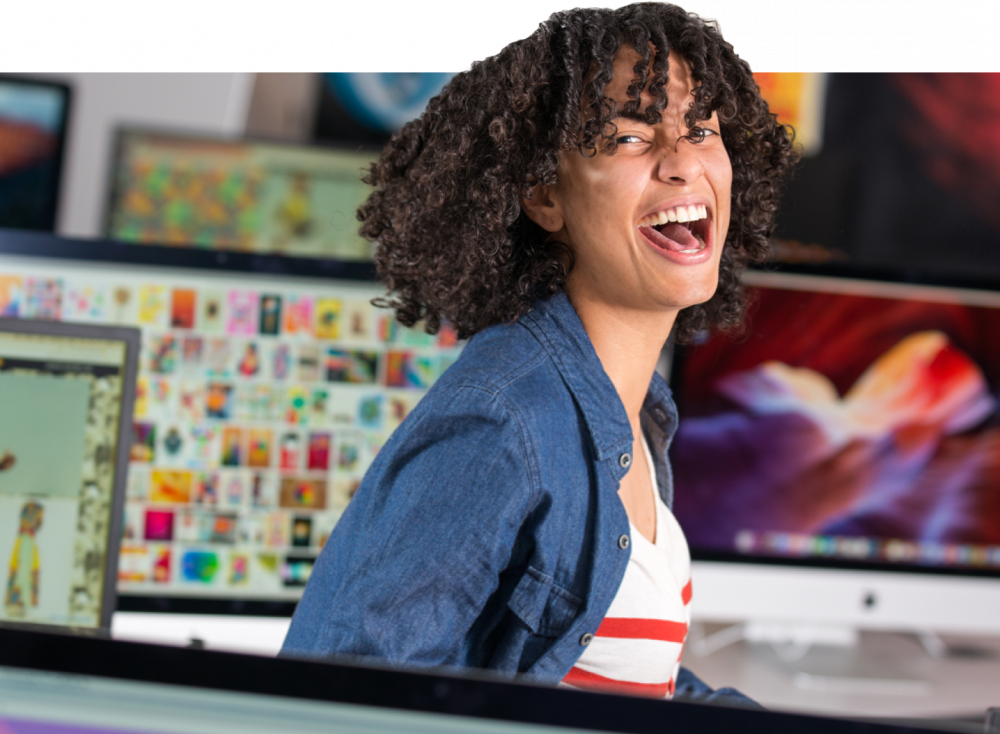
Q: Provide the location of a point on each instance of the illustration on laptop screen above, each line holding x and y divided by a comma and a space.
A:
61, 401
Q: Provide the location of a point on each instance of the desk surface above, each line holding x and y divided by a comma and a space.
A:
885, 675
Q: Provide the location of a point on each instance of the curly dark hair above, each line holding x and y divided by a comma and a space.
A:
453, 241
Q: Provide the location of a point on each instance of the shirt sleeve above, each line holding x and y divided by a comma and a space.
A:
692, 689
414, 560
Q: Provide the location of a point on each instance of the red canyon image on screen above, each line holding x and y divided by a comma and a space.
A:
858, 425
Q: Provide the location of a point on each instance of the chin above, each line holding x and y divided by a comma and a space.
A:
693, 294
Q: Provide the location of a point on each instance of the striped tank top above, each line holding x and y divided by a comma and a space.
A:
637, 649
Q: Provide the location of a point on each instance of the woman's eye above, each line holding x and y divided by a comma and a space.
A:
698, 134
627, 139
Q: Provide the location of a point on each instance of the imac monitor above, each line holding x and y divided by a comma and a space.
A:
262, 398
854, 427
65, 414
33, 117
171, 189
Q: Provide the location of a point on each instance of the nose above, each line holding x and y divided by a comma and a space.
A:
679, 163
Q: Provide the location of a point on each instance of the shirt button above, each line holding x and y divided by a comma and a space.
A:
585, 640
624, 460
623, 542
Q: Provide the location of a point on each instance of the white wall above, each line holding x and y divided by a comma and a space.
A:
205, 103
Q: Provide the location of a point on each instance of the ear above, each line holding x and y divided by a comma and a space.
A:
542, 208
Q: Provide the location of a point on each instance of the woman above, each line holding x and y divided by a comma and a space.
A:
566, 204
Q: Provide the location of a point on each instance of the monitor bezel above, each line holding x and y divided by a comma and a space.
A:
131, 337
843, 271
60, 153
122, 132
471, 693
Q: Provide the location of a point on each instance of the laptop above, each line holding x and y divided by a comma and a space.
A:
66, 396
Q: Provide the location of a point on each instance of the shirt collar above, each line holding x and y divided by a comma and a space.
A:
555, 324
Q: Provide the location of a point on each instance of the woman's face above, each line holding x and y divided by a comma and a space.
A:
617, 211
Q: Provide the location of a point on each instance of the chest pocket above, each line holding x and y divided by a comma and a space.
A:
546, 608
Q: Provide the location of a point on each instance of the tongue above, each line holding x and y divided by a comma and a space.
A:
673, 236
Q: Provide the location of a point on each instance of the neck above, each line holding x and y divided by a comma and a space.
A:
628, 342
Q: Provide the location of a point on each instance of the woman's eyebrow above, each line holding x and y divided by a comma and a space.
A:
633, 115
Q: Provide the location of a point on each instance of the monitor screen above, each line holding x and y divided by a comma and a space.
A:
238, 195
855, 423
62, 398
261, 402
33, 117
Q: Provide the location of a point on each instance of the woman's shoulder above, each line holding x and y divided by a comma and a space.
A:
507, 362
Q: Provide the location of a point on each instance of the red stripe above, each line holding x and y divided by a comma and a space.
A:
642, 629
594, 682
686, 593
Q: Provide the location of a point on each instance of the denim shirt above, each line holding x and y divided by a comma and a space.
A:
488, 532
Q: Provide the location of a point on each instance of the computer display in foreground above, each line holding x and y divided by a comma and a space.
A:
261, 402
238, 195
33, 118
855, 424
62, 394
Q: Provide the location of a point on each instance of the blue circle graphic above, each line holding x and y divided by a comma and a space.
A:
385, 101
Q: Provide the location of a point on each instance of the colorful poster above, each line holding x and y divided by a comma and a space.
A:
219, 400
166, 486
11, 295
308, 363
83, 302
182, 308
328, 318
290, 451
211, 317
159, 525
297, 405
259, 448
281, 362
351, 365
303, 493
406, 369
243, 313
153, 305
44, 299
270, 314
232, 446
299, 315
359, 320
143, 450
124, 306
248, 362
319, 451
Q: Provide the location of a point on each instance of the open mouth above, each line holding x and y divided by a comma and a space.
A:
681, 229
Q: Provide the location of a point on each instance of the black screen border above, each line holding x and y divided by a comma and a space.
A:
841, 271
66, 90
477, 694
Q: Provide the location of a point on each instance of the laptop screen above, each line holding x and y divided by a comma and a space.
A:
62, 399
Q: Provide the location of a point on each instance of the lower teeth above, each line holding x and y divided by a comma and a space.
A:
699, 248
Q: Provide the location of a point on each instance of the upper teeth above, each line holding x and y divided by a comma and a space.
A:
690, 213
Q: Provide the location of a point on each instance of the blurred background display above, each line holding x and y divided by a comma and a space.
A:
261, 402
370, 107
907, 175
33, 118
234, 195
854, 422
